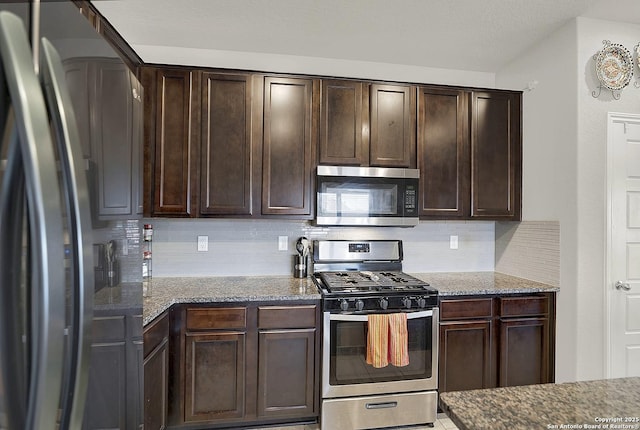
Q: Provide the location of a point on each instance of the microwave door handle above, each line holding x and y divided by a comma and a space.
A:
364, 318
77, 199
12, 308
46, 252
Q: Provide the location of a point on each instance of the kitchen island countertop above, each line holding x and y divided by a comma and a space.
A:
603, 404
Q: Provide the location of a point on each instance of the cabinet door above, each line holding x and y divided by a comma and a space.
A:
466, 358
215, 376
115, 144
286, 373
225, 178
77, 77
172, 174
496, 160
156, 374
443, 153
393, 141
524, 351
288, 146
342, 123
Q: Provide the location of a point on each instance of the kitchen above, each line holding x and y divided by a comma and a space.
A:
551, 202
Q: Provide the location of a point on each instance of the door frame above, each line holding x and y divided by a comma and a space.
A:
612, 117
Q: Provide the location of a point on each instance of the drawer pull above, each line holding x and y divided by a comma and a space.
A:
383, 405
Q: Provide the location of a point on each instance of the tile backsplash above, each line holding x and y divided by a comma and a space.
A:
250, 247
529, 249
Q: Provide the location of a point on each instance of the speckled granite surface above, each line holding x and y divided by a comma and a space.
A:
470, 283
604, 404
167, 291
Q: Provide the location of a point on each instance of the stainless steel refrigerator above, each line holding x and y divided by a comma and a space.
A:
47, 275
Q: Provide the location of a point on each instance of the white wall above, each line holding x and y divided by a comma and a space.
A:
591, 190
550, 166
564, 138
312, 66
250, 247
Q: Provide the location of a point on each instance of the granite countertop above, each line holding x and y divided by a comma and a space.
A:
603, 404
473, 283
168, 291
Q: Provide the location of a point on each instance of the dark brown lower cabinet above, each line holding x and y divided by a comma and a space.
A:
156, 373
245, 364
494, 341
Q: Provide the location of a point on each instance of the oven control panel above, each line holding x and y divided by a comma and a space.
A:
379, 304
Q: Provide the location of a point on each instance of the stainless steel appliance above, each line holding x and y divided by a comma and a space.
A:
46, 241
356, 279
348, 195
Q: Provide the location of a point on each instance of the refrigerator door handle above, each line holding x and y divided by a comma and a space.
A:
76, 194
46, 240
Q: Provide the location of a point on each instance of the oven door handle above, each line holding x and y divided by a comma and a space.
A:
364, 318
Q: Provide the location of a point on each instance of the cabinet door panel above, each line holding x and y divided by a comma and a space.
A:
286, 373
466, 358
524, 351
215, 368
226, 145
77, 77
443, 153
156, 373
341, 123
495, 155
287, 146
392, 126
113, 137
172, 178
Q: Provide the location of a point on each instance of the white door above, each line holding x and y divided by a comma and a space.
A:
623, 253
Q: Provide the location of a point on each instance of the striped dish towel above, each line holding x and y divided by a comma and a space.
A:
387, 340
398, 340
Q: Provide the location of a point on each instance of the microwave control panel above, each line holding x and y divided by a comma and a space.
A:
410, 200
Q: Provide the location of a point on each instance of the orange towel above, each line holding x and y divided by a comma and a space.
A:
378, 340
398, 340
387, 340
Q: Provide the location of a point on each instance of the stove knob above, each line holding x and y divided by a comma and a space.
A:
344, 305
359, 305
422, 302
383, 303
406, 302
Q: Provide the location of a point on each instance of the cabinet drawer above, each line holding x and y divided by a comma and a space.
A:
287, 316
216, 318
155, 333
466, 308
522, 306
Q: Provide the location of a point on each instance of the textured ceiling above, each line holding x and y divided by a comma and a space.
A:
473, 35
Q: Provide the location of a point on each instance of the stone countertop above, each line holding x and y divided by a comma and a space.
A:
168, 291
478, 283
603, 404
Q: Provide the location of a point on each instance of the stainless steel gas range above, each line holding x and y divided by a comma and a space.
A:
362, 283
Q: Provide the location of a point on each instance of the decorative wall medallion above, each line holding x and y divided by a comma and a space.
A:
614, 68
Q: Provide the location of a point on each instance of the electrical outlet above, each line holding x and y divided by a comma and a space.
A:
283, 243
453, 242
203, 243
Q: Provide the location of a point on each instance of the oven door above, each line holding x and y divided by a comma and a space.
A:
345, 370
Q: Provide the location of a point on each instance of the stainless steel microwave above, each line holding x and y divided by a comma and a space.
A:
363, 196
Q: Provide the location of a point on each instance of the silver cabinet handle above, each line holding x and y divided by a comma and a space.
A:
622, 286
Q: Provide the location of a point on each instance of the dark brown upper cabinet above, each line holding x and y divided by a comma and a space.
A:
392, 122
226, 145
443, 149
344, 139
171, 134
496, 157
289, 142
